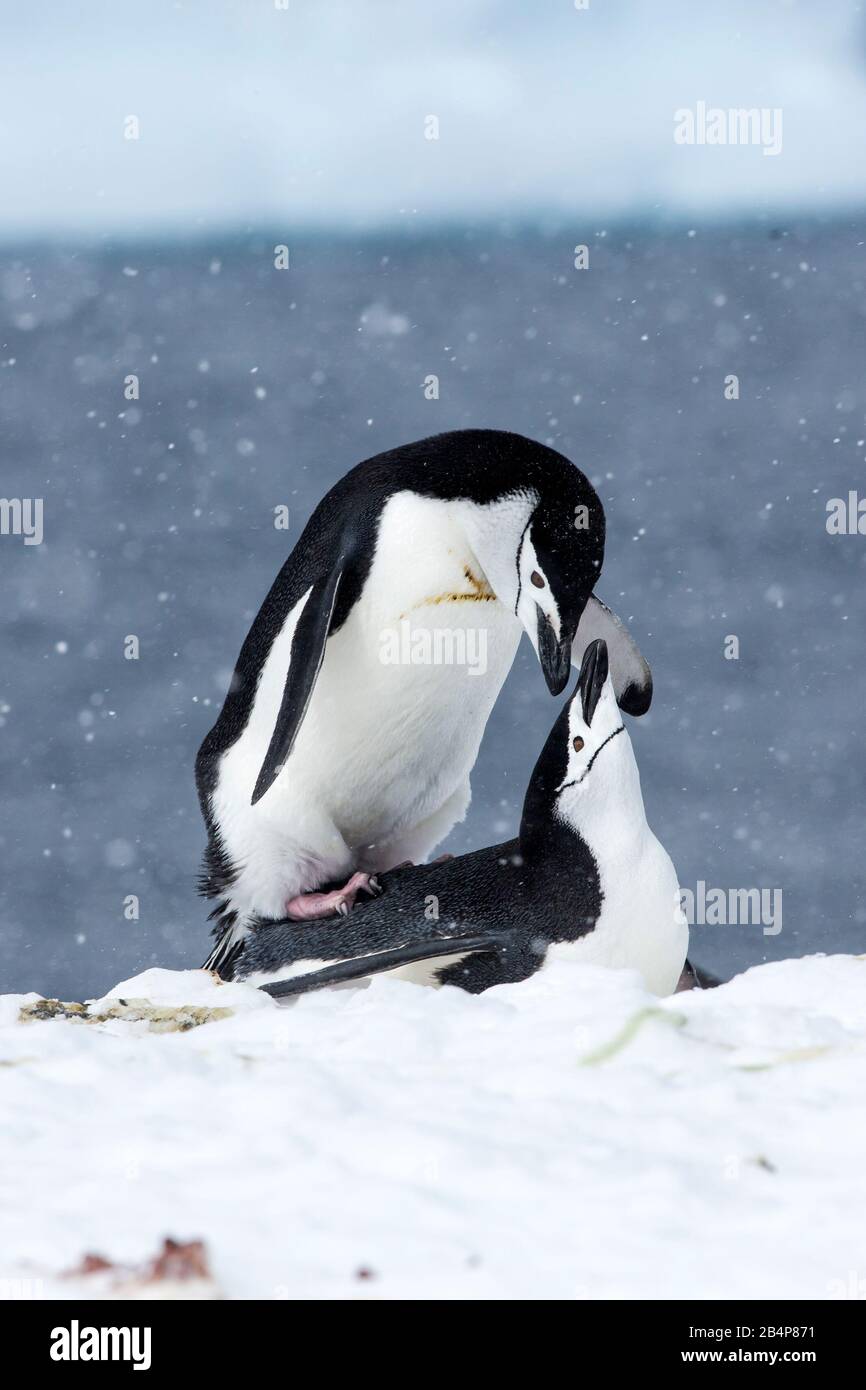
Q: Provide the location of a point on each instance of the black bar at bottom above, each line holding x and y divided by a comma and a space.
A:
134, 1336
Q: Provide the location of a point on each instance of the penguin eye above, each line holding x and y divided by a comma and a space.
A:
537, 579
577, 744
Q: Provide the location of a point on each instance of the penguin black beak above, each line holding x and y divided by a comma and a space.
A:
554, 655
593, 674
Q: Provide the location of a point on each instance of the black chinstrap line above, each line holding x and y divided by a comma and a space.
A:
519, 553
576, 781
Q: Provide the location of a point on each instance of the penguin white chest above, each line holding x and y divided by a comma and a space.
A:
409, 681
641, 925
380, 767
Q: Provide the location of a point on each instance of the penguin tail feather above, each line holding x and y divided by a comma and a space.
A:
705, 978
694, 977
225, 954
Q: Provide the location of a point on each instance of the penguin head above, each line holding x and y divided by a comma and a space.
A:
558, 564
587, 762
593, 722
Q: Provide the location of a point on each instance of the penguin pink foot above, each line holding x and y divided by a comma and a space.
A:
307, 907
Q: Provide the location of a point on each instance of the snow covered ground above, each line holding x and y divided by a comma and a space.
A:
567, 1137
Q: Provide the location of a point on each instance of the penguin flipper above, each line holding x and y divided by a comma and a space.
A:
379, 961
307, 655
632, 677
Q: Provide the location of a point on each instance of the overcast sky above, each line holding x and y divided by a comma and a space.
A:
315, 114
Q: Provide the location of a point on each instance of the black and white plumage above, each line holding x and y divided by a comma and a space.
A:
325, 759
585, 878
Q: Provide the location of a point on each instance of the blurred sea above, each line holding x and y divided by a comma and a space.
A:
260, 388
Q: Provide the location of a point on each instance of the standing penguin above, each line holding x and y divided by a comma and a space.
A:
339, 753
585, 879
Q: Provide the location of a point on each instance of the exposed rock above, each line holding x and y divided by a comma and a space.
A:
160, 1018
180, 1269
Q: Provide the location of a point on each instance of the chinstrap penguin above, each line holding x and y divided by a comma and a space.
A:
586, 879
327, 764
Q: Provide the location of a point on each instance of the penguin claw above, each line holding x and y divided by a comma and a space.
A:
309, 907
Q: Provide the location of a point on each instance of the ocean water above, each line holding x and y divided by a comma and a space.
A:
259, 388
